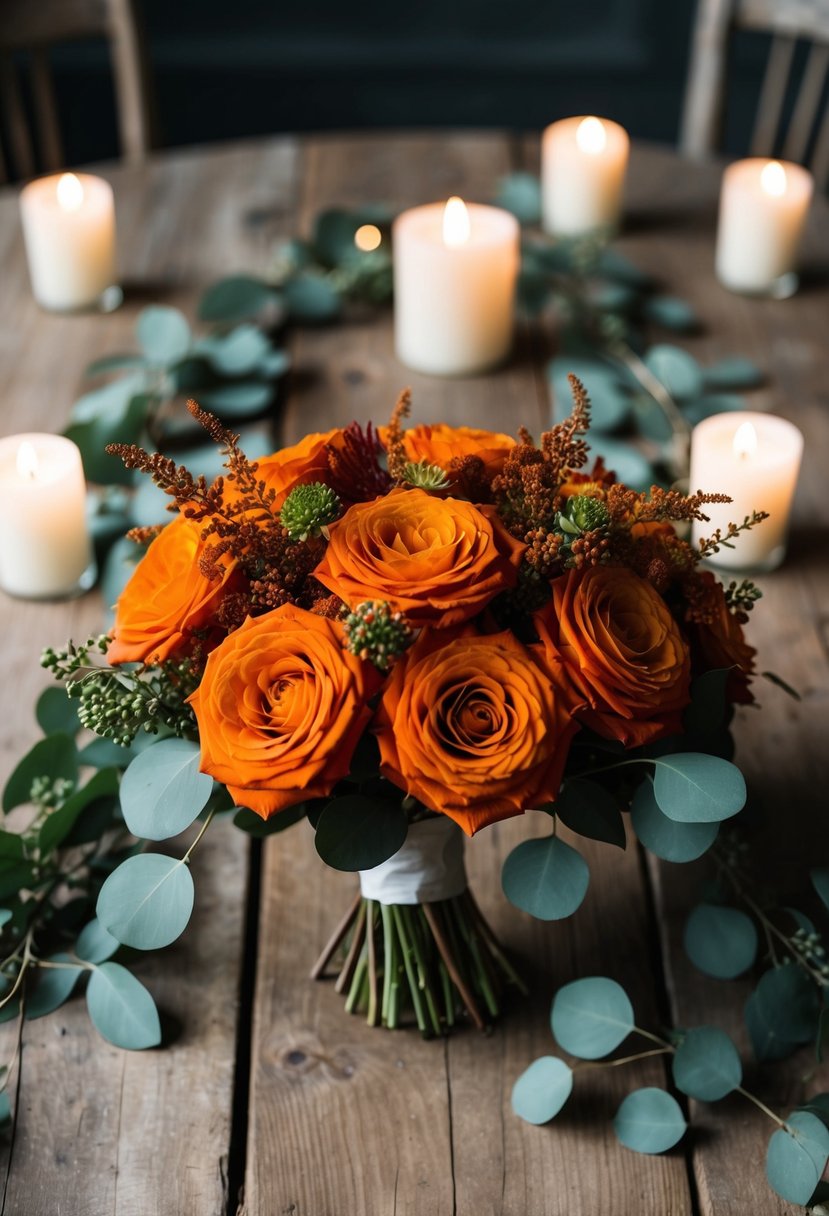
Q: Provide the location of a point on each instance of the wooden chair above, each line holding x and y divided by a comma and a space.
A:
789, 21
32, 26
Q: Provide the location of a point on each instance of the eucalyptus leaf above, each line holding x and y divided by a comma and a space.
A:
57, 825
236, 298
649, 1121
238, 352
56, 714
672, 841
627, 463
676, 369
248, 821
6, 915
105, 753
115, 363
122, 1009
711, 403
118, 426
796, 1158
546, 878
782, 1012
591, 1017
820, 881
163, 334
693, 787
162, 791
359, 833
119, 568
589, 809
106, 403
240, 398
54, 757
147, 901
54, 986
95, 944
734, 371
542, 1090
671, 312
333, 238
720, 941
520, 193
609, 399
310, 297
706, 1064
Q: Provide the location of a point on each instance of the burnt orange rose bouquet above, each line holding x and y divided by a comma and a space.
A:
399, 637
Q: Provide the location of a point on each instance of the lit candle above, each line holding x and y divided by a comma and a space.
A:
69, 231
754, 458
45, 550
583, 164
455, 268
763, 206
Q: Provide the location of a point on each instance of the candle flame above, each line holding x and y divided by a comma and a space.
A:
70, 192
591, 136
27, 462
455, 223
773, 178
367, 237
745, 440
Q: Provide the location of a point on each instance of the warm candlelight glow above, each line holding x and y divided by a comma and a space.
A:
591, 136
745, 440
70, 192
27, 462
773, 179
367, 237
455, 223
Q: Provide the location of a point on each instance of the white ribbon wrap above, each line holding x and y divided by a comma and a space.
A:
428, 866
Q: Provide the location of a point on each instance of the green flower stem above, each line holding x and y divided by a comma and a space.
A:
344, 977
657, 391
406, 950
493, 944
372, 964
762, 1106
202, 830
357, 980
580, 1065
654, 1038
389, 962
420, 939
24, 967
448, 994
479, 973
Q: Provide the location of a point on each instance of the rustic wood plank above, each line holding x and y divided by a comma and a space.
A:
348, 1118
101, 1130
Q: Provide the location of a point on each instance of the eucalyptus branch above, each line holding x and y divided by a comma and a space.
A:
186, 858
656, 389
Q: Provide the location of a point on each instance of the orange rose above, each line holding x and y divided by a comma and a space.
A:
477, 727
436, 560
441, 444
167, 599
721, 642
299, 464
623, 649
280, 709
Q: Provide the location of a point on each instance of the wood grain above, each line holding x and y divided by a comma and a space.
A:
102, 1130
346, 1118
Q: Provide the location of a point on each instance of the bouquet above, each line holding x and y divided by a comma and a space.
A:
401, 636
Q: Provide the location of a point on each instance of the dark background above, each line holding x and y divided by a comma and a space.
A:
228, 68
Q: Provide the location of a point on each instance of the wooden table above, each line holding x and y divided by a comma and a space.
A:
267, 1085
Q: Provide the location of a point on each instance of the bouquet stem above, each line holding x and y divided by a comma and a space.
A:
439, 959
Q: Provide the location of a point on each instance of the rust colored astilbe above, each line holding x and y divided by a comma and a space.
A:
395, 446
246, 529
564, 447
355, 472
658, 506
469, 479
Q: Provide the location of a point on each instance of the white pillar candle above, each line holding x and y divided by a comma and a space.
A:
754, 458
763, 206
583, 165
69, 231
455, 268
45, 550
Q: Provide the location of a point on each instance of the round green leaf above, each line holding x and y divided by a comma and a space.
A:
589, 809
665, 837
56, 714
711, 403
626, 461
782, 1012
733, 372
649, 1121
234, 299
796, 1159
693, 787
541, 1091
53, 757
706, 1065
238, 352
239, 398
546, 878
520, 193
678, 371
54, 986
163, 334
670, 312
147, 901
310, 297
95, 944
101, 789
591, 1017
358, 833
720, 941
820, 881
121, 1008
114, 363
162, 791
5, 916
